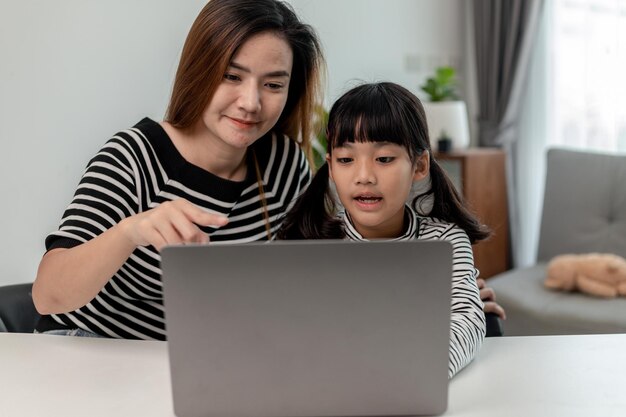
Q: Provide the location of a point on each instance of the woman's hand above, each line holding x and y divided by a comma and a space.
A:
172, 222
67, 279
488, 296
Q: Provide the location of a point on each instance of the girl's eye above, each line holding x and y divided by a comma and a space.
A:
344, 160
385, 159
231, 77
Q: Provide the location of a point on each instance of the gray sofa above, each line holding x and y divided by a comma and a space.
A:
584, 210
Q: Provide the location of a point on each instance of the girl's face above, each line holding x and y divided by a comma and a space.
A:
253, 93
373, 181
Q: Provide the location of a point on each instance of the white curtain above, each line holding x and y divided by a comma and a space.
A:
575, 97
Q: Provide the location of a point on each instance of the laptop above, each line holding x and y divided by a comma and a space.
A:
308, 328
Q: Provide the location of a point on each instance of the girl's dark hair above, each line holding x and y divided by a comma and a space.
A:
214, 38
375, 113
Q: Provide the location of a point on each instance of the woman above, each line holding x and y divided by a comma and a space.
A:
221, 166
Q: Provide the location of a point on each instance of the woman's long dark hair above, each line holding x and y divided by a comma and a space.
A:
371, 113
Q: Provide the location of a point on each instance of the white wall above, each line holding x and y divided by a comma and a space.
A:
73, 72
395, 40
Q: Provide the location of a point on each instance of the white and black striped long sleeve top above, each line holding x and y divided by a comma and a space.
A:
467, 326
137, 170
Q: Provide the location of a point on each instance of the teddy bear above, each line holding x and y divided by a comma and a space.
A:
598, 274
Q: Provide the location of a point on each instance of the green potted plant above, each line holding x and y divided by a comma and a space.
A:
445, 112
442, 86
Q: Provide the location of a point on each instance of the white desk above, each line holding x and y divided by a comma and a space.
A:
513, 376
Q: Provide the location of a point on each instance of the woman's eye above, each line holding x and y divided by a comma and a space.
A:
231, 77
344, 160
385, 159
274, 86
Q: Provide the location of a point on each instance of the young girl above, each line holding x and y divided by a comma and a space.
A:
378, 146
221, 165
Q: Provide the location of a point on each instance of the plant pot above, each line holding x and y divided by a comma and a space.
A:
448, 119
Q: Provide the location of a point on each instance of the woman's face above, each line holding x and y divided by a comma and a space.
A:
373, 181
252, 94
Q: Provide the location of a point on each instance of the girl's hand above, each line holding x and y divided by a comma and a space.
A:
172, 222
488, 296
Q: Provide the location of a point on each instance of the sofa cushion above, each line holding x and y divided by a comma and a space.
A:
534, 310
584, 208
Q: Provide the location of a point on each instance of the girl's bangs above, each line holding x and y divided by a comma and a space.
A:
368, 116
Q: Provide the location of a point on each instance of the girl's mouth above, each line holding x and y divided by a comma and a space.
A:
368, 199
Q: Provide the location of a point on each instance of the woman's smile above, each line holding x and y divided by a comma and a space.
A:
242, 123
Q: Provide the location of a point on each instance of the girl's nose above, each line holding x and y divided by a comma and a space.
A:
365, 173
249, 98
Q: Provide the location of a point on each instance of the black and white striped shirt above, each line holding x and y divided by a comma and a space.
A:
467, 329
137, 170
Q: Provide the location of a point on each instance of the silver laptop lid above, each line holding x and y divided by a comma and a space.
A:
308, 328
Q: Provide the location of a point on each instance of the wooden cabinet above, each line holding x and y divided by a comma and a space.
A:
480, 175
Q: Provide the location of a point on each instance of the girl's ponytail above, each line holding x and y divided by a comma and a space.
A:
312, 216
448, 204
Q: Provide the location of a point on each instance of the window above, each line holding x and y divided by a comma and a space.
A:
587, 86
